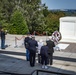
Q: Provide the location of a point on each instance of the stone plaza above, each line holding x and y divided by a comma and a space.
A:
13, 59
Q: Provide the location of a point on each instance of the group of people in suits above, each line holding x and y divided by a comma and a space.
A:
43, 49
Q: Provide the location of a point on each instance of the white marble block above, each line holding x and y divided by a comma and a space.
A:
68, 27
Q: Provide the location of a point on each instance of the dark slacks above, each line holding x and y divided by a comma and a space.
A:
39, 58
43, 59
32, 58
50, 58
2, 43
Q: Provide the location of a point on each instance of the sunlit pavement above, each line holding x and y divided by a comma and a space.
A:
13, 59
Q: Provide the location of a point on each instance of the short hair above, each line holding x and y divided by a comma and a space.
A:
33, 37
44, 43
28, 33
50, 37
40, 40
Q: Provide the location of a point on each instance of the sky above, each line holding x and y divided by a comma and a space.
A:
60, 4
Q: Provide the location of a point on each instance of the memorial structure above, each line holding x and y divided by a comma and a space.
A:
68, 28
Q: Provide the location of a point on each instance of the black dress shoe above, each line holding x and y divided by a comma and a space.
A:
32, 65
2, 48
28, 60
50, 64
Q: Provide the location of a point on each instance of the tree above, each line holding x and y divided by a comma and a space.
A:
37, 16
18, 24
52, 21
34, 15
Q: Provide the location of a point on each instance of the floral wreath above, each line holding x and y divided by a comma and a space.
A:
56, 36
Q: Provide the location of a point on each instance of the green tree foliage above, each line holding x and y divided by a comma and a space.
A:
35, 15
52, 20
18, 24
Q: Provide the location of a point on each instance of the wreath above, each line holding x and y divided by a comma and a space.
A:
56, 36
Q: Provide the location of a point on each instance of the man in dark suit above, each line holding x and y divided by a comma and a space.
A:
2, 35
27, 38
32, 49
50, 44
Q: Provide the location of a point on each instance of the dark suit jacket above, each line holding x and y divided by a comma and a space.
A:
2, 34
26, 42
32, 45
44, 50
50, 44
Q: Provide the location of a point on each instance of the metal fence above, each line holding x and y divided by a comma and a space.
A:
50, 72
35, 71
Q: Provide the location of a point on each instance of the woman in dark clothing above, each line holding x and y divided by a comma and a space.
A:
44, 55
